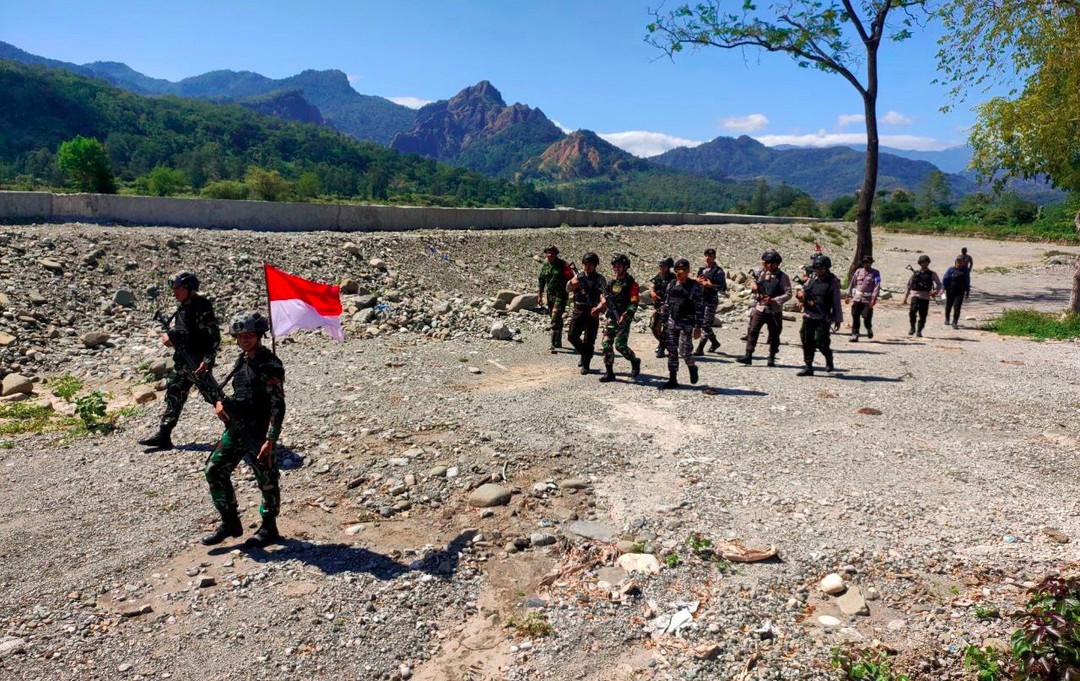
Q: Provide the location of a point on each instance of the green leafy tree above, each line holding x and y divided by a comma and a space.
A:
936, 194
164, 181
759, 202
840, 206
1033, 48
308, 186
816, 34
226, 189
85, 162
267, 185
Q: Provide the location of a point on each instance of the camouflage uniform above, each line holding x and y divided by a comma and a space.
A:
659, 319
684, 311
716, 275
622, 297
196, 332
256, 411
553, 278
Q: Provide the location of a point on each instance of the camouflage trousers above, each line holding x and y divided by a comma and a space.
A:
233, 447
617, 337
710, 319
556, 309
680, 344
177, 388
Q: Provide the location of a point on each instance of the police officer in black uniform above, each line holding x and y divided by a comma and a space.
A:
711, 276
659, 286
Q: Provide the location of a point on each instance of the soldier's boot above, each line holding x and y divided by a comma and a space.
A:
918, 332
746, 359
714, 343
807, 370
869, 331
160, 440
635, 367
584, 364
700, 349
911, 331
828, 362
609, 373
660, 351
956, 325
230, 527
854, 338
266, 534
693, 374
673, 380
771, 362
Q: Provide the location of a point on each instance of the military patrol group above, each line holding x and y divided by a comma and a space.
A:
684, 307
253, 415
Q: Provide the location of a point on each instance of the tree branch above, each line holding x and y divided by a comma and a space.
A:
855, 20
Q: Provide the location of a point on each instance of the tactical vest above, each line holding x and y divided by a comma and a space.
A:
769, 284
249, 400
819, 292
196, 340
588, 291
716, 275
618, 294
659, 285
680, 300
922, 281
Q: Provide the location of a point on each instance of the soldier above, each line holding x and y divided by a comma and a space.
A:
957, 285
712, 277
587, 289
923, 284
252, 417
195, 339
619, 302
863, 291
659, 285
772, 288
969, 262
684, 310
821, 307
553, 277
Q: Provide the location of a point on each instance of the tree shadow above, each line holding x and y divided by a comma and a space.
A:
333, 559
865, 379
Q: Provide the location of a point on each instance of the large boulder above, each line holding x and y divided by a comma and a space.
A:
500, 331
489, 495
525, 301
124, 298
15, 384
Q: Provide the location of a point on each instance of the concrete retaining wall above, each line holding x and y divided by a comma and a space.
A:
306, 217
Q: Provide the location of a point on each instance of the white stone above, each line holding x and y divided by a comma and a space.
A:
832, 584
645, 563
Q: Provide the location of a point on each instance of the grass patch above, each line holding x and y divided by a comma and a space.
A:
533, 625
65, 387
1056, 224
1036, 325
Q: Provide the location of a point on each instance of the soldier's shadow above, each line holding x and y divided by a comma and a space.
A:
332, 559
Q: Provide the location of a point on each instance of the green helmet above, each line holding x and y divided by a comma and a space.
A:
249, 322
184, 279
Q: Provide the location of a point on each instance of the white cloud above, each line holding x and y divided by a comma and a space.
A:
834, 139
565, 129
354, 78
896, 118
644, 144
411, 102
749, 123
844, 120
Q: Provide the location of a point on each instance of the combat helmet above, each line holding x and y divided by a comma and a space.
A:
249, 322
184, 279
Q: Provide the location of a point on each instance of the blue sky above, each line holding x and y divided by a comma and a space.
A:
585, 64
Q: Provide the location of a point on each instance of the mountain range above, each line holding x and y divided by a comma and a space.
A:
475, 129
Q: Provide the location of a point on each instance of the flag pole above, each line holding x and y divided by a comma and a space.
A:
269, 307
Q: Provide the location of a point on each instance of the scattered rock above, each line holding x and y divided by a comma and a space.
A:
489, 495
525, 301
9, 645
143, 394
592, 530
832, 584
541, 539
828, 621
16, 384
124, 298
205, 581
1056, 534
6, 339
573, 483
500, 331
93, 339
645, 563
851, 603
51, 265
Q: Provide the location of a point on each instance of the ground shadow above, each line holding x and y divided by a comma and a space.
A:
332, 559
727, 392
864, 379
857, 352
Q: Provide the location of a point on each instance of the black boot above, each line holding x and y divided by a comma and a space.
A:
266, 534
700, 350
911, 331
609, 374
746, 359
635, 367
771, 362
714, 344
584, 364
230, 527
161, 440
673, 380
693, 374
807, 370
869, 331
854, 338
660, 351
918, 333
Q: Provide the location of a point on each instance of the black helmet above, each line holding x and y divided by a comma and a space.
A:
590, 257
682, 264
249, 322
666, 262
771, 256
620, 259
184, 279
924, 259
823, 261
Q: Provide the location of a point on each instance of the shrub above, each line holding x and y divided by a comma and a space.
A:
1047, 644
1037, 325
65, 387
865, 665
226, 189
162, 181
91, 410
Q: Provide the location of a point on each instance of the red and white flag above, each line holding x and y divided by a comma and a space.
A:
297, 303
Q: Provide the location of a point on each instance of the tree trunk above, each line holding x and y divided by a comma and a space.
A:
864, 244
1074, 299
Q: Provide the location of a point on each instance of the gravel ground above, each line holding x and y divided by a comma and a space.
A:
923, 472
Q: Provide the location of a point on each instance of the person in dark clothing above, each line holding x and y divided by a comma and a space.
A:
195, 339
659, 285
684, 308
923, 285
712, 277
253, 416
587, 288
822, 307
772, 288
957, 284
619, 302
969, 263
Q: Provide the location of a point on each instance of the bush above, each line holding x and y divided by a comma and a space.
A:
226, 189
267, 185
840, 206
162, 181
65, 387
864, 664
91, 410
84, 161
1047, 644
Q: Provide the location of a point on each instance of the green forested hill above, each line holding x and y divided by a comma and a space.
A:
43, 107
